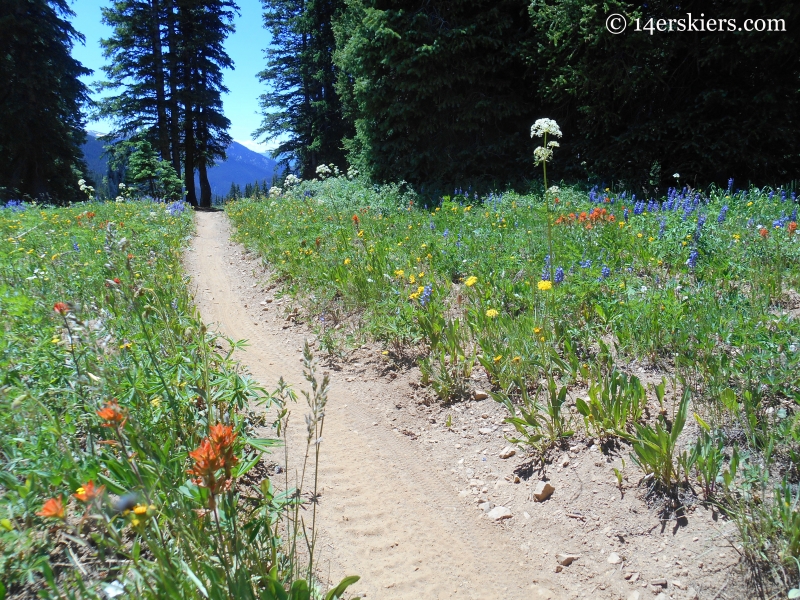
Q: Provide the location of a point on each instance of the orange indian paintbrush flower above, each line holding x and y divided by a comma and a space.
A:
214, 453
53, 508
61, 308
89, 492
112, 415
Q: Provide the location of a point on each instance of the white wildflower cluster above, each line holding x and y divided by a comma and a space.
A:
352, 173
275, 191
553, 189
324, 171
544, 127
542, 155
291, 181
124, 193
86, 189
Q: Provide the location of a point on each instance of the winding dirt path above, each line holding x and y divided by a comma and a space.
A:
385, 512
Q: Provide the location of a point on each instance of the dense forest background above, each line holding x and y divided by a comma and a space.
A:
440, 94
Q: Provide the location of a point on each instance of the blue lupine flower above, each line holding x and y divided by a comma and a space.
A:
176, 208
778, 223
638, 208
794, 215
662, 228
771, 196
426, 295
559, 276
15, 205
625, 214
701, 220
605, 273
75, 245
722, 214
446, 233
433, 225
586, 264
692, 262
546, 269
730, 185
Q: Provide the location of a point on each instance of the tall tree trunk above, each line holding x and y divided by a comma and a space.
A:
205, 186
174, 78
158, 69
188, 143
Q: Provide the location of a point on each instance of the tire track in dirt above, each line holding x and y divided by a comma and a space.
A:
385, 513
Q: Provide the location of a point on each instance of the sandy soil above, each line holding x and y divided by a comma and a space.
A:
405, 498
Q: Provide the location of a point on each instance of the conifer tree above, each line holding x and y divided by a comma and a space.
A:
302, 108
41, 96
439, 90
166, 60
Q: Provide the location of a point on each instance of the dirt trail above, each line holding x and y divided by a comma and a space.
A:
387, 513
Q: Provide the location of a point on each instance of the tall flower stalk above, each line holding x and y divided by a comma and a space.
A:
541, 129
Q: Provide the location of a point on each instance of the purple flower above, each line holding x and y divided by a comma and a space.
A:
605, 273
426, 295
559, 276
722, 214
692, 262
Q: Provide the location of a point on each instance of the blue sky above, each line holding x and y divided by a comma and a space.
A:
245, 47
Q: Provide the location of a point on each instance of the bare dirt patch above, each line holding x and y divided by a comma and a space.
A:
411, 486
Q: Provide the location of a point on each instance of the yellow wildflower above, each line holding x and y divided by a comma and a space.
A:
545, 285
472, 280
498, 358
492, 313
347, 261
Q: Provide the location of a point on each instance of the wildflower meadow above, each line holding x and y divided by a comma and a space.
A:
127, 428
586, 308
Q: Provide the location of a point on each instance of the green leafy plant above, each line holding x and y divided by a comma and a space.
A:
539, 425
615, 401
655, 450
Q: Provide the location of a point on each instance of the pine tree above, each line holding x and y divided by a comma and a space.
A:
204, 25
166, 60
708, 106
439, 90
41, 96
138, 70
302, 108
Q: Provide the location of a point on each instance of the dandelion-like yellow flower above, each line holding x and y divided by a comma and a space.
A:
516, 359
545, 285
537, 330
492, 313
412, 279
347, 261
399, 273
472, 280
638, 235
498, 358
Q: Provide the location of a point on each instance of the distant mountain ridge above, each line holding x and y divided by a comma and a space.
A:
241, 167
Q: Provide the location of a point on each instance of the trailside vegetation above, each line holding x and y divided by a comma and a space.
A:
564, 300
129, 462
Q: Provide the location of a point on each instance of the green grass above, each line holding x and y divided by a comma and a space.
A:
109, 378
701, 294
